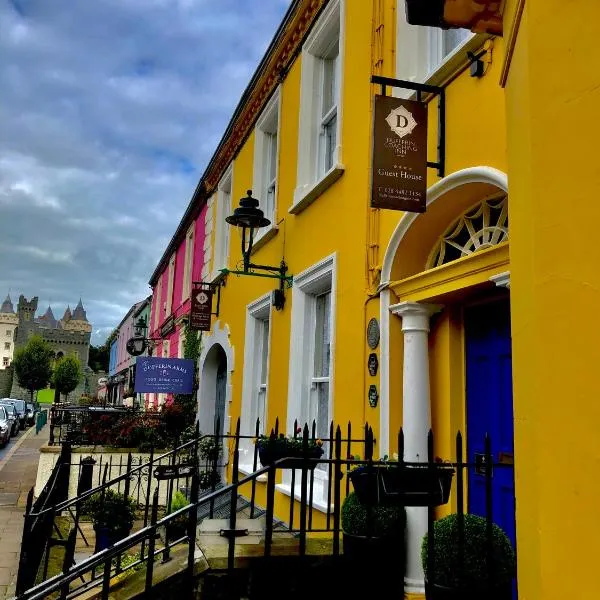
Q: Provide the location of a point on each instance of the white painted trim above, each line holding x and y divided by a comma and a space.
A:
220, 335
221, 228
501, 279
438, 190
260, 309
259, 167
330, 23
320, 505
318, 278
309, 193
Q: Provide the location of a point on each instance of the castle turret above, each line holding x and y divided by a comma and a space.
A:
48, 319
8, 324
78, 319
79, 313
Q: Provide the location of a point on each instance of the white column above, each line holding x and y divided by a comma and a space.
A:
416, 423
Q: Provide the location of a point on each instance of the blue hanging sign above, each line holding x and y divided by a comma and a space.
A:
164, 375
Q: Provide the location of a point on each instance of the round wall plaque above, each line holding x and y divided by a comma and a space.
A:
373, 333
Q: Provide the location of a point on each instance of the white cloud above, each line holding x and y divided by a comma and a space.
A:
110, 111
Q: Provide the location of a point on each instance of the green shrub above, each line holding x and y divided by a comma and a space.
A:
179, 501
113, 511
475, 563
385, 520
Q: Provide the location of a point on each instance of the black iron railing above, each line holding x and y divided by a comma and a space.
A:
337, 463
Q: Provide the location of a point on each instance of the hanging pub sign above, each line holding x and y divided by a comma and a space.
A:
201, 308
399, 156
164, 375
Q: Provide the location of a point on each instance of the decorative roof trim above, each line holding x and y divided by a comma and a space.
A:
271, 71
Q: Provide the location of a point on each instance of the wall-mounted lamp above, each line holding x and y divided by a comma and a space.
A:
137, 345
249, 218
477, 65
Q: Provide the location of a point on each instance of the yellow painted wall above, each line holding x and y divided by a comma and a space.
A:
554, 78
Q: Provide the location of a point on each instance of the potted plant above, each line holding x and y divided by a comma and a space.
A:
374, 533
391, 482
177, 527
112, 515
465, 575
272, 449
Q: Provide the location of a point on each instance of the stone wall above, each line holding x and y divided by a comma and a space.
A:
115, 458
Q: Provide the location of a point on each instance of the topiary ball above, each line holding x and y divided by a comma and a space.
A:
385, 520
447, 559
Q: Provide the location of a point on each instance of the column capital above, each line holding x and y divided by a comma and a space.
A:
415, 315
502, 279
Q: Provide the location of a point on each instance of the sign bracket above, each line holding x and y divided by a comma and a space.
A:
420, 89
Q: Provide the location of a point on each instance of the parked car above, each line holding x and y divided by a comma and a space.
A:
31, 411
13, 416
21, 409
5, 427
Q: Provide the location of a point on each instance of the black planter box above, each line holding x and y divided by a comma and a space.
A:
404, 485
374, 549
268, 455
440, 592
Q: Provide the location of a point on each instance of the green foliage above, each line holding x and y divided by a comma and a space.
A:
33, 364
210, 449
179, 501
67, 375
113, 511
385, 520
475, 564
208, 479
289, 446
99, 358
192, 347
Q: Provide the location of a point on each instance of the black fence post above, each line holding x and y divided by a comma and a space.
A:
270, 510
128, 478
151, 544
431, 558
193, 514
148, 491
254, 466
460, 506
311, 491
233, 500
293, 483
218, 443
337, 491
303, 490
22, 583
329, 474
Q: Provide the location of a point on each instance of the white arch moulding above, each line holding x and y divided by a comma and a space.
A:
219, 336
479, 174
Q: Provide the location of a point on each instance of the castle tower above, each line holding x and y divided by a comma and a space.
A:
47, 319
78, 320
8, 325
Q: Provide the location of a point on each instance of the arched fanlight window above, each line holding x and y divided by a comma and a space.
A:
482, 226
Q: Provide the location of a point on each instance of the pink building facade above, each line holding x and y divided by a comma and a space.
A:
182, 263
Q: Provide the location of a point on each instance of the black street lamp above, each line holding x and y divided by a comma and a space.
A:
138, 344
249, 218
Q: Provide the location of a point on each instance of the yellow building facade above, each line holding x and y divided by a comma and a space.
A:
458, 298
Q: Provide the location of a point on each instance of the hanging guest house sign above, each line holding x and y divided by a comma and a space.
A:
399, 172
201, 308
164, 375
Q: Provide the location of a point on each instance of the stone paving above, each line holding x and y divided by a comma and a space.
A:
17, 477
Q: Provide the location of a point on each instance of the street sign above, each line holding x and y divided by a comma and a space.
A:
164, 472
164, 375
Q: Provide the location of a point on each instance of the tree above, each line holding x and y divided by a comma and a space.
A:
99, 358
192, 347
33, 365
67, 375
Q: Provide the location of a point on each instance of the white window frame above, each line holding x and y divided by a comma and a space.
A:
8, 333
264, 182
311, 179
170, 285
312, 282
166, 348
158, 305
5, 361
222, 228
419, 54
7, 345
257, 313
180, 343
189, 262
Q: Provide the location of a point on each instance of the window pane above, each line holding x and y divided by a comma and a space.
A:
451, 38
260, 409
272, 170
265, 352
330, 133
330, 76
322, 335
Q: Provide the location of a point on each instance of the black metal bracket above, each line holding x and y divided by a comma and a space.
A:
214, 287
233, 533
421, 89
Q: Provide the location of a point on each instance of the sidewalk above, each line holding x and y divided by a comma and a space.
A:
17, 477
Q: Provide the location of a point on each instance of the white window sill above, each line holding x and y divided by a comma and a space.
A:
266, 236
246, 469
307, 194
320, 505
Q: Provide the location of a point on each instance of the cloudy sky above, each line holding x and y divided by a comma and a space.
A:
109, 112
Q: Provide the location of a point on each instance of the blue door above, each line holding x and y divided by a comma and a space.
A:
490, 409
